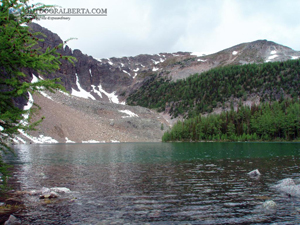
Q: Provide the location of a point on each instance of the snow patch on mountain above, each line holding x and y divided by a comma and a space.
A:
162, 60
45, 95
196, 54
69, 141
27, 107
29, 103
234, 53
41, 139
126, 72
135, 74
81, 93
96, 91
129, 113
93, 141
18, 140
38, 140
155, 62
110, 62
271, 57
65, 93
35, 79
113, 98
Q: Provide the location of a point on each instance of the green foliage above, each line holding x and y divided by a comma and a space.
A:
266, 122
201, 93
19, 50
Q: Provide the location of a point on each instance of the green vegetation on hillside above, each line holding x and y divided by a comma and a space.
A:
266, 122
201, 93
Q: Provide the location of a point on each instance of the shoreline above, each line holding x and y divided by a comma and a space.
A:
11, 200
224, 141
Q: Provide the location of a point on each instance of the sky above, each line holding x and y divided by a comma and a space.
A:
134, 27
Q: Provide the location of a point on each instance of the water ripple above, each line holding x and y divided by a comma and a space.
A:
193, 190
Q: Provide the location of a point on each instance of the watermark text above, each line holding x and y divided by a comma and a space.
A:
72, 12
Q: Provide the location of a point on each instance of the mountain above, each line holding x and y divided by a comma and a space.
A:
100, 79
259, 51
220, 89
113, 79
96, 110
93, 112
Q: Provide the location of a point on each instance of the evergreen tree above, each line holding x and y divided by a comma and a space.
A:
19, 49
202, 93
276, 121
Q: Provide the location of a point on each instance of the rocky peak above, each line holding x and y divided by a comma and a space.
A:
100, 79
259, 51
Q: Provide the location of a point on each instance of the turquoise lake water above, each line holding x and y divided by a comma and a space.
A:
158, 183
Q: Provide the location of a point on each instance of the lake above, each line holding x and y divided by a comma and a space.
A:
158, 183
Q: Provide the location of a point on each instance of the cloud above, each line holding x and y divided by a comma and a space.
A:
135, 27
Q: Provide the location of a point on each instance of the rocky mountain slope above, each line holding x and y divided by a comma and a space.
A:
113, 79
100, 79
96, 108
259, 51
73, 119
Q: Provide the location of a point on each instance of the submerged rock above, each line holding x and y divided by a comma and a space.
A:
47, 191
285, 182
254, 173
269, 205
293, 190
12, 220
34, 192
288, 187
60, 189
52, 194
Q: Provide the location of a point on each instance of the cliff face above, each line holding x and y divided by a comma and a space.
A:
100, 77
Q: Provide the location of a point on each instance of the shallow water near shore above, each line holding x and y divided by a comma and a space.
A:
157, 183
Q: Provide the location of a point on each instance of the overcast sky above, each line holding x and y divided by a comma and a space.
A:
134, 27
